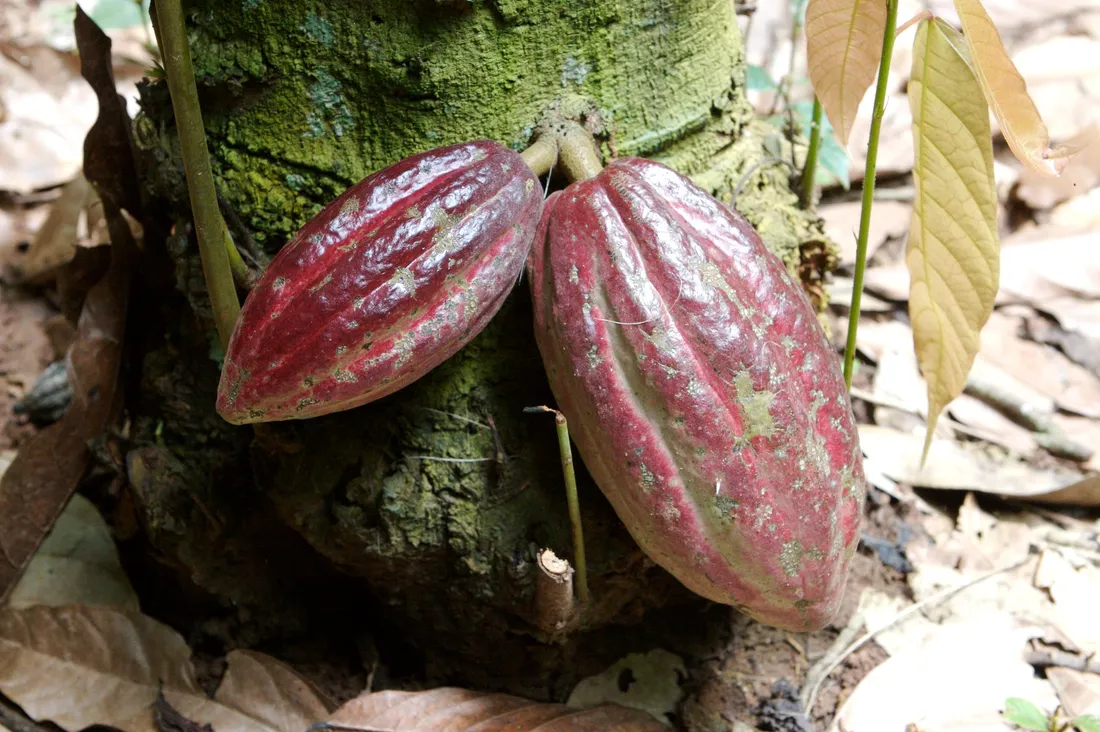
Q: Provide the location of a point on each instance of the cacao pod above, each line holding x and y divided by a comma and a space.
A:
383, 285
700, 390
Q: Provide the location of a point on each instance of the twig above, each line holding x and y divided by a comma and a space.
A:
869, 184
570, 498
209, 225
809, 696
809, 170
553, 593
1061, 659
975, 432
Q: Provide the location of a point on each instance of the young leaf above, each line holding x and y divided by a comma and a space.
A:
1006, 92
843, 47
953, 247
1023, 713
1087, 723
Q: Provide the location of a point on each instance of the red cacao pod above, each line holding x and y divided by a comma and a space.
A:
383, 285
701, 391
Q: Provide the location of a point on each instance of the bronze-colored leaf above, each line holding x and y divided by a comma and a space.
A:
45, 472
458, 710
55, 243
1006, 91
47, 469
109, 160
843, 47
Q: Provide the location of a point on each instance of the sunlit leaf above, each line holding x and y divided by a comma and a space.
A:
1006, 92
1023, 713
1087, 723
843, 47
953, 246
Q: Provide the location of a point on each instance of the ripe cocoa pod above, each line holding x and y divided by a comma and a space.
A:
383, 285
700, 390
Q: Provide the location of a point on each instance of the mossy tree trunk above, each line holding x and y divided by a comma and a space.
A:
437, 496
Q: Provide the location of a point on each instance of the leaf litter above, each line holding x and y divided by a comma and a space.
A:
982, 637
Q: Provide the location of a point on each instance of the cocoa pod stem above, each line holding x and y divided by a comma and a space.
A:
570, 497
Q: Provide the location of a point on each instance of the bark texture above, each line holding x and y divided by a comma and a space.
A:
440, 495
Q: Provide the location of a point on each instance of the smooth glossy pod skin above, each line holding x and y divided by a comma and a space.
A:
701, 391
383, 285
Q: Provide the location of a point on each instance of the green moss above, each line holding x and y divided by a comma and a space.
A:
338, 89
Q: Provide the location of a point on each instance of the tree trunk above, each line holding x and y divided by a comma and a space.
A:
438, 496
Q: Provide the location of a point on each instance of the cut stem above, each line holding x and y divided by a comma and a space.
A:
869, 185
570, 498
809, 170
210, 228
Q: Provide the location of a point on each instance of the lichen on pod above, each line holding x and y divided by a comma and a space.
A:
701, 391
383, 285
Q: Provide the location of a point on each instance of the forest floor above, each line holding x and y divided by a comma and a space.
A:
978, 578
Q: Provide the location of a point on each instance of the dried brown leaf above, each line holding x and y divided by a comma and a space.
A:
55, 243
38, 484
79, 665
109, 160
458, 710
955, 680
266, 691
76, 564
45, 472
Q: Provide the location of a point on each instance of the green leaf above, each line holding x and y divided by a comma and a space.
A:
757, 79
953, 253
110, 14
1087, 723
832, 158
1023, 713
832, 161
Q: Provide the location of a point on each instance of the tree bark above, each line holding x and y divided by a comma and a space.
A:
439, 496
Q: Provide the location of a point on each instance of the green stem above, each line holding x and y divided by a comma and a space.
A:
242, 275
809, 170
578, 153
542, 154
869, 185
571, 499
209, 225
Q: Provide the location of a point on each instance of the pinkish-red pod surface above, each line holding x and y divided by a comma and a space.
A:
701, 391
383, 285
